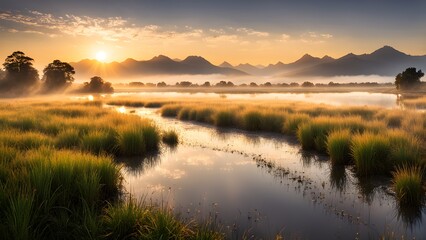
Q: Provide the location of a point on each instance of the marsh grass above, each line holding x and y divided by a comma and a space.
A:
124, 221
99, 141
338, 146
170, 110
370, 153
405, 149
225, 118
162, 224
252, 120
293, 121
170, 137
68, 138
131, 141
407, 183
57, 181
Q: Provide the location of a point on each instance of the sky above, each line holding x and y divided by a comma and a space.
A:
237, 31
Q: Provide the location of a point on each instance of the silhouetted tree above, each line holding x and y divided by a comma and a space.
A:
221, 84
408, 78
206, 84
294, 84
307, 84
267, 84
136, 84
184, 84
20, 76
161, 84
57, 76
283, 84
230, 84
253, 84
97, 85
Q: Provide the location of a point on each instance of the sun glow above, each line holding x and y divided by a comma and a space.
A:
101, 56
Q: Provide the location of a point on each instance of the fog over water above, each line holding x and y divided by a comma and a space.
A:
200, 79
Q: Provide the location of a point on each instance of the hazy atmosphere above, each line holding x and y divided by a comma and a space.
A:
212, 120
255, 32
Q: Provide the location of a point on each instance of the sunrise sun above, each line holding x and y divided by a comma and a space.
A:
101, 56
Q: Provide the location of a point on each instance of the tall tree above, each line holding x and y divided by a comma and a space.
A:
21, 76
408, 78
57, 76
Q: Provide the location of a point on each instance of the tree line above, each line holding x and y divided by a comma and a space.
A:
21, 78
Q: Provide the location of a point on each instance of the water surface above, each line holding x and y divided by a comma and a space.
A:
336, 99
263, 184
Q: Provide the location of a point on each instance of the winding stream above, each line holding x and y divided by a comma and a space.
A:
257, 185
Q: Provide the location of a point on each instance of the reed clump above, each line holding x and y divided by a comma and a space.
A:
370, 153
338, 146
170, 137
408, 186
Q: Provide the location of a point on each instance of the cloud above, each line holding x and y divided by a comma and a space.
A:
252, 32
121, 30
283, 37
117, 28
314, 37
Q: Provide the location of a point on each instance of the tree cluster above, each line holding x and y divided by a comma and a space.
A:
21, 78
410, 78
97, 85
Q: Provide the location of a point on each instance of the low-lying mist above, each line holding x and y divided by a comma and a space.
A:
237, 80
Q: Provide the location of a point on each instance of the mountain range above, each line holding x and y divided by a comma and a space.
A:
385, 61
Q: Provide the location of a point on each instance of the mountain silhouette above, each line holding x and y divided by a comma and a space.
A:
385, 61
250, 69
159, 65
226, 65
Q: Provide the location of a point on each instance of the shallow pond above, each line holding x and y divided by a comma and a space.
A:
386, 100
262, 184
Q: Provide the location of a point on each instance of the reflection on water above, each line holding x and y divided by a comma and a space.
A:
139, 165
386, 100
338, 178
262, 184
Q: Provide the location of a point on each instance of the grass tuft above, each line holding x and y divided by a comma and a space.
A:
170, 137
370, 153
407, 183
338, 146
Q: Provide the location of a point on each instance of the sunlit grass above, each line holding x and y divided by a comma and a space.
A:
338, 146
58, 179
370, 152
131, 140
407, 183
170, 137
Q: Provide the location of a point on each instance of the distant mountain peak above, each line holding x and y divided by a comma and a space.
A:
349, 56
307, 56
306, 59
328, 58
196, 60
226, 64
245, 65
161, 58
387, 51
129, 60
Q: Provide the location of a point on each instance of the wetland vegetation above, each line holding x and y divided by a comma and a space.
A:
376, 141
58, 177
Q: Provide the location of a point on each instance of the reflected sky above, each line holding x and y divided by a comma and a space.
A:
262, 184
336, 99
